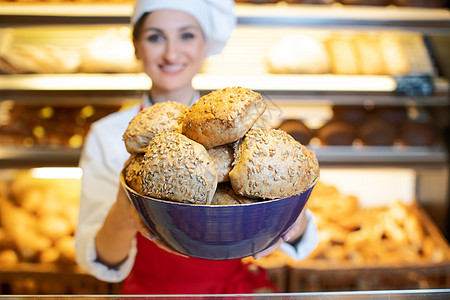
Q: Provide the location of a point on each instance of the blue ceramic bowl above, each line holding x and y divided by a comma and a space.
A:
218, 232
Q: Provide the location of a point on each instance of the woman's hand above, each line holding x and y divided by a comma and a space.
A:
114, 239
136, 221
296, 230
131, 217
123, 222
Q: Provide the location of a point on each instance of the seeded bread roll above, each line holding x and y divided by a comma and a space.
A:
223, 157
225, 195
223, 116
133, 172
270, 164
158, 118
178, 169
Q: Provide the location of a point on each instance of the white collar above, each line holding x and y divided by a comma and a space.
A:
147, 101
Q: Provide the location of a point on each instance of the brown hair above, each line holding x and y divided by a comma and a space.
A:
138, 27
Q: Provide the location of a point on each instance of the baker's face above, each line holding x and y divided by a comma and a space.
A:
172, 48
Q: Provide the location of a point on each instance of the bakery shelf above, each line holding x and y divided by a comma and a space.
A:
12, 14
50, 279
326, 89
362, 17
74, 82
267, 82
248, 14
367, 99
16, 157
386, 155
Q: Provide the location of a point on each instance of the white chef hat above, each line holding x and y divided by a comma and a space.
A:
216, 17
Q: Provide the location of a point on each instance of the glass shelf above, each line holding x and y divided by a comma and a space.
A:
281, 14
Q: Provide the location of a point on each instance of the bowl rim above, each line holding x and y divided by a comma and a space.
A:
126, 186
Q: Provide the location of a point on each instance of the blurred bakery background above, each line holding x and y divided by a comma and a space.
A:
365, 84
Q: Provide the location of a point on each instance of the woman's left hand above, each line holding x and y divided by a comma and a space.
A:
296, 230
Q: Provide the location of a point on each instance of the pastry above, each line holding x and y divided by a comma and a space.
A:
365, 2
178, 169
223, 116
50, 255
159, 118
422, 3
392, 114
377, 132
270, 164
297, 129
414, 133
8, 257
66, 246
53, 226
336, 133
350, 114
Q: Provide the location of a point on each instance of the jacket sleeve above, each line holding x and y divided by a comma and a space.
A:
308, 241
100, 183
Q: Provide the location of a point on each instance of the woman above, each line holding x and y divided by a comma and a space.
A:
172, 38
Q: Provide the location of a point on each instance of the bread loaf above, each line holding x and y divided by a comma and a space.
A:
109, 52
368, 51
342, 51
393, 53
298, 54
40, 59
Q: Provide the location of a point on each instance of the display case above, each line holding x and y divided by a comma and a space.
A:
244, 62
45, 113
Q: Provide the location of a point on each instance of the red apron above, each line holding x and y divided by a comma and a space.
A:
157, 271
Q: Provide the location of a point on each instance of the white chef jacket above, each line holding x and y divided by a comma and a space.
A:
102, 159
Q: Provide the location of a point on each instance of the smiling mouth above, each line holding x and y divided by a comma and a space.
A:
172, 68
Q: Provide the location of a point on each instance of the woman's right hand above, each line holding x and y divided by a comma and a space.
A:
131, 217
136, 222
